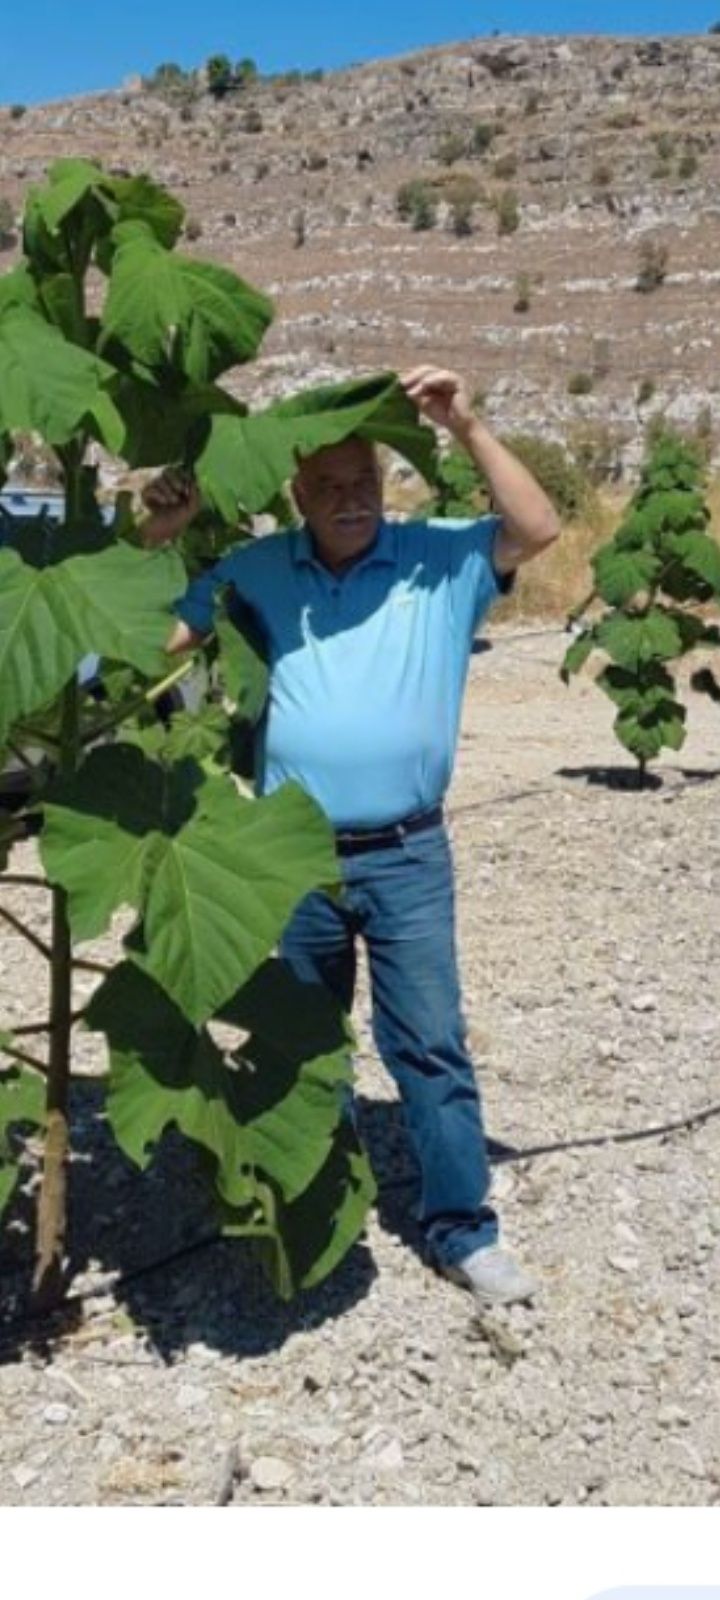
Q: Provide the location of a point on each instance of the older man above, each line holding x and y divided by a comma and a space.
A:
369, 626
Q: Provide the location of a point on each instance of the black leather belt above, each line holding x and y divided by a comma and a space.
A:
352, 841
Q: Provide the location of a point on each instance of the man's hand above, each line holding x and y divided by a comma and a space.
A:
172, 499
441, 396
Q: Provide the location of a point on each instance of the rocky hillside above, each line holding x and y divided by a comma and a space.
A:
555, 175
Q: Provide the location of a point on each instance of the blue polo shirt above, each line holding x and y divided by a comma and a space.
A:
367, 668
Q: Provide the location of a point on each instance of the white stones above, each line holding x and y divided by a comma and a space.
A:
270, 1474
24, 1476
57, 1414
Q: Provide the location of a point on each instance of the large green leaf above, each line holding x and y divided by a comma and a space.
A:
162, 423
243, 664
699, 553
214, 876
630, 691
170, 311
267, 1111
247, 460
18, 288
52, 387
305, 1239
631, 640
22, 1100
69, 219
577, 653
645, 732
621, 574
115, 602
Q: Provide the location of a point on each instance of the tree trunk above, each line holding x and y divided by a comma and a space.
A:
52, 1205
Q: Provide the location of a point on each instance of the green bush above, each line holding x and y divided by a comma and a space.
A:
580, 383
556, 472
508, 211
461, 217
665, 145
688, 164
482, 136
522, 292
451, 148
505, 166
653, 258
409, 195
424, 213
251, 121
17, 111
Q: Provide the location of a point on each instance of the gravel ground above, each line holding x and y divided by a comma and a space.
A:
587, 915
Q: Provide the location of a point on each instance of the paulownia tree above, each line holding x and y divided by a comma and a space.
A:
659, 567
110, 336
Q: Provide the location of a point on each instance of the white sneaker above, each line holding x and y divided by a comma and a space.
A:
492, 1277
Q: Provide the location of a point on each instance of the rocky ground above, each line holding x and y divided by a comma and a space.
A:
587, 919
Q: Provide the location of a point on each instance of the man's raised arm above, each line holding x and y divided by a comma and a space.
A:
530, 522
172, 500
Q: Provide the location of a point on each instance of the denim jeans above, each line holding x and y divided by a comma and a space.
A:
400, 900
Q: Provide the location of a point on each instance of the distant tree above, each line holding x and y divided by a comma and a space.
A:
461, 216
505, 166
522, 292
220, 76
246, 71
408, 195
450, 149
653, 258
508, 211
424, 212
580, 383
688, 164
483, 135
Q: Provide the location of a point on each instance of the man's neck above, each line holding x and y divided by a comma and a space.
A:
338, 563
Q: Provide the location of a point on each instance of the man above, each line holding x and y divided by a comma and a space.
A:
369, 627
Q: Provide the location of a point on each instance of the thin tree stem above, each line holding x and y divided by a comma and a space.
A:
27, 933
81, 965
135, 703
52, 1204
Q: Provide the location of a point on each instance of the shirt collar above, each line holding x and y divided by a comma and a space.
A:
383, 552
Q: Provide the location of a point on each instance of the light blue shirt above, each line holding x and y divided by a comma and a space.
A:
367, 668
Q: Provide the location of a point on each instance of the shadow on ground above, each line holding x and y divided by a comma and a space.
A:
629, 778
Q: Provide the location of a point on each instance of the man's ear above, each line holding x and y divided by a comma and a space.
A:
296, 491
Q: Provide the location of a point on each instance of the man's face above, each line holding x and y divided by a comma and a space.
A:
339, 492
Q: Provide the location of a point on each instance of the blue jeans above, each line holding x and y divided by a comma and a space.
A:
401, 901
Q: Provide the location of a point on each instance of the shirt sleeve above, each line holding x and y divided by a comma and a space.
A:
476, 582
197, 606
